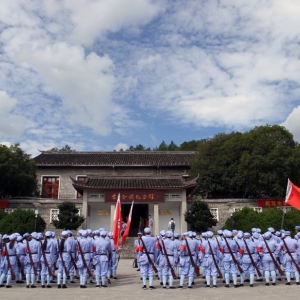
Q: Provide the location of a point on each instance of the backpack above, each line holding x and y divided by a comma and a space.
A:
172, 225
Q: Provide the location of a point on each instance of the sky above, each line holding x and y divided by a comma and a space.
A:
101, 75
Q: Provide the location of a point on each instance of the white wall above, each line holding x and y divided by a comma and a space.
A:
175, 207
94, 221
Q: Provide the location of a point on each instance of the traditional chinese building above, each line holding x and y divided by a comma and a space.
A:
157, 182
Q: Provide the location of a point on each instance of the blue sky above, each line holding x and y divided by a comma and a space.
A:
106, 74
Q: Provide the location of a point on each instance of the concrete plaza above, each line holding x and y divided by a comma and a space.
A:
129, 286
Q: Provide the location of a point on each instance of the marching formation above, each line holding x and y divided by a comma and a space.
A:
228, 256
232, 256
36, 258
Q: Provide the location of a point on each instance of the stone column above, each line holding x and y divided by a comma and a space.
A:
156, 220
85, 208
183, 210
112, 213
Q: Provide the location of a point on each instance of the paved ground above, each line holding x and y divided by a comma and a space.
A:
129, 286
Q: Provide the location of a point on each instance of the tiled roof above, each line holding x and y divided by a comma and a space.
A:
123, 182
126, 158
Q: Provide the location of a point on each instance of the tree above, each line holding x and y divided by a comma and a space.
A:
244, 219
65, 148
2, 214
68, 217
138, 147
199, 217
17, 172
249, 165
21, 221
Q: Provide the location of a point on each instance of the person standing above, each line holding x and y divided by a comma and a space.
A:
141, 225
146, 249
171, 225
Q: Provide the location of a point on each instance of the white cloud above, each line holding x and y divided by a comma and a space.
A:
121, 146
292, 123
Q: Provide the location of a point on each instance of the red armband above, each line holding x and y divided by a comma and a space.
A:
3, 253
259, 249
221, 249
141, 248
157, 245
182, 247
200, 248
241, 251
94, 249
137, 248
79, 250
26, 250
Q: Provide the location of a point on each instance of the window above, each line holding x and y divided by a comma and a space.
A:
9, 210
257, 209
215, 213
50, 187
80, 179
54, 215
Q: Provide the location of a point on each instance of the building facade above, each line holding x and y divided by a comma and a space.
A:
157, 182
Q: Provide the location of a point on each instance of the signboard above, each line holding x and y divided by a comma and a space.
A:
138, 196
271, 203
3, 203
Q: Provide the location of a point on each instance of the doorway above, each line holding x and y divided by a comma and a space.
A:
139, 210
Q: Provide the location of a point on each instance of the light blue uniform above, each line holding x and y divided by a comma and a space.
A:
186, 266
101, 258
50, 257
145, 265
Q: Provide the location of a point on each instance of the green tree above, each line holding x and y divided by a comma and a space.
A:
21, 221
243, 219
251, 164
290, 219
17, 172
189, 146
65, 148
138, 147
2, 214
199, 217
68, 217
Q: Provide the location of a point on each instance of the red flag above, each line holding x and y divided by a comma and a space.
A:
117, 223
292, 195
126, 232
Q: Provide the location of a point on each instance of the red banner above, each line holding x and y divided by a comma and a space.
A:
138, 196
271, 203
3, 203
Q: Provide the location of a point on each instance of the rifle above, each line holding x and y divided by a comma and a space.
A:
233, 257
20, 266
31, 260
196, 269
13, 276
289, 253
252, 260
273, 259
168, 260
45, 260
148, 256
61, 258
214, 259
83, 260
73, 261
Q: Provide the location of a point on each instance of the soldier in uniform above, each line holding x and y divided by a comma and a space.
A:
147, 245
48, 248
177, 243
65, 249
10, 250
290, 248
186, 265
84, 253
226, 248
246, 264
102, 256
267, 261
113, 262
172, 253
21, 256
219, 240
74, 247
136, 246
33, 256
208, 250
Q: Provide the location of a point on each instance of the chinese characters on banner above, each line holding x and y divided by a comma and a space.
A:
138, 196
270, 203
